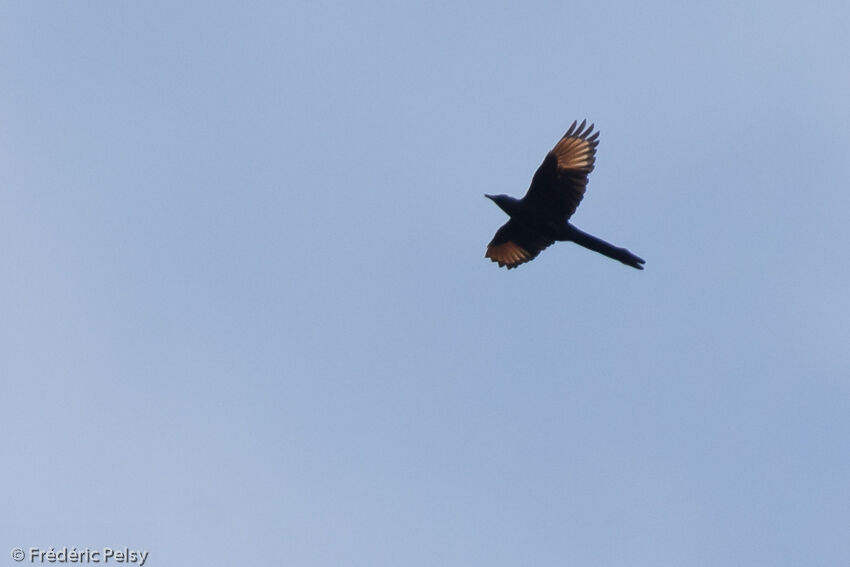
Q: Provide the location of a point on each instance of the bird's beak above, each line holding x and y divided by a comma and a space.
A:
489, 197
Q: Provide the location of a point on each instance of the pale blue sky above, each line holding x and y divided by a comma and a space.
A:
246, 317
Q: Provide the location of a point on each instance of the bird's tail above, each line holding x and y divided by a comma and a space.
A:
598, 245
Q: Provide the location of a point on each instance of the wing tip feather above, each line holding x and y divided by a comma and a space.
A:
508, 254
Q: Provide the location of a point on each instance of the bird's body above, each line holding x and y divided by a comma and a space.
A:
540, 218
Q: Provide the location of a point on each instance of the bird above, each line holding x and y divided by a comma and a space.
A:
541, 217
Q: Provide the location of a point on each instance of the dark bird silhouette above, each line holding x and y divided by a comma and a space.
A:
540, 218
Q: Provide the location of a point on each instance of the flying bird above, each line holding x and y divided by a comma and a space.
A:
540, 218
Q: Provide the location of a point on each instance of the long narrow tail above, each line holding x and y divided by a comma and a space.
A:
598, 245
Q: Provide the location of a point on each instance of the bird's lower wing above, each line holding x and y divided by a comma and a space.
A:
512, 246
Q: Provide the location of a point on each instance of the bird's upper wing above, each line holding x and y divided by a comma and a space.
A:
559, 183
514, 245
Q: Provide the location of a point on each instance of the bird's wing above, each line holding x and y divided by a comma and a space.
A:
514, 245
559, 183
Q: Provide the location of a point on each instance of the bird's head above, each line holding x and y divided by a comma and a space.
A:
505, 202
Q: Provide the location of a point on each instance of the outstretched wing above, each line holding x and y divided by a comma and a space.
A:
558, 184
514, 245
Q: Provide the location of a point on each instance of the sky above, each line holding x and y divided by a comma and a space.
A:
247, 318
